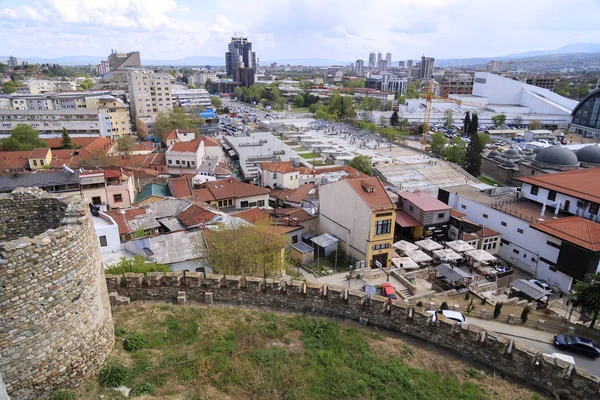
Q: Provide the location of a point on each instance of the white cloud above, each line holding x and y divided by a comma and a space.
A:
337, 29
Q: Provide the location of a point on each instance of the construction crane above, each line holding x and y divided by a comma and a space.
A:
427, 118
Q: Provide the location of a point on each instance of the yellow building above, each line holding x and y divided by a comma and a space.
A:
360, 213
40, 158
113, 115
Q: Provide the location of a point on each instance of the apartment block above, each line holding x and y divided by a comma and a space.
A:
149, 92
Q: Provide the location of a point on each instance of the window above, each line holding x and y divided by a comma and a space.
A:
118, 198
381, 246
103, 242
35, 163
389, 214
552, 244
519, 230
295, 239
463, 206
170, 161
534, 190
260, 203
244, 204
41, 162
594, 208
220, 203
411, 208
503, 223
177, 162
516, 251
504, 241
193, 163
383, 227
552, 195
441, 215
532, 259
485, 216
551, 268
485, 247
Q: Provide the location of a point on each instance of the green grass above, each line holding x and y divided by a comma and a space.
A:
488, 181
291, 143
219, 353
310, 155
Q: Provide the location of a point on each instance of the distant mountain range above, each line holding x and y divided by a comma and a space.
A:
213, 60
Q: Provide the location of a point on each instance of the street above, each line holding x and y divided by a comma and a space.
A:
536, 339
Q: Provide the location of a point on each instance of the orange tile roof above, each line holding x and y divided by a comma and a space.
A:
292, 212
231, 188
486, 232
14, 159
122, 218
251, 215
40, 152
171, 135
101, 143
283, 167
424, 201
457, 214
580, 183
187, 147
180, 187
576, 230
203, 195
208, 141
377, 198
56, 143
195, 215
293, 195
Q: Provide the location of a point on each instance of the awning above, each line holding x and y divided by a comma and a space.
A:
404, 262
405, 220
480, 256
404, 246
528, 288
459, 246
446, 255
418, 256
452, 275
429, 245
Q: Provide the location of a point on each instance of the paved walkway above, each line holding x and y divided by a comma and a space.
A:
516, 331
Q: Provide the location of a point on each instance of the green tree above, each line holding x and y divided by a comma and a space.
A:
125, 144
96, 159
497, 309
299, 100
357, 83
86, 84
499, 120
138, 264
518, 120
484, 139
363, 164
438, 143
395, 119
448, 118
587, 296
216, 102
534, 125
456, 150
473, 156
466, 123
176, 118
9, 87
388, 106
370, 104
323, 114
189, 86
23, 138
412, 91
342, 107
525, 314
66, 142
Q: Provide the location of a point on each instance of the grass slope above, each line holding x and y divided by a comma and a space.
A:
225, 353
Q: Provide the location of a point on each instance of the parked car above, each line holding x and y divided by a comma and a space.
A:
541, 284
577, 344
388, 291
453, 315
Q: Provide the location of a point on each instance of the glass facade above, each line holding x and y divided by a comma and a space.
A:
587, 113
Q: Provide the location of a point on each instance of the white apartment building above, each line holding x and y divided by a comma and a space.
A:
190, 98
149, 92
51, 121
185, 157
548, 227
203, 75
279, 175
41, 86
376, 94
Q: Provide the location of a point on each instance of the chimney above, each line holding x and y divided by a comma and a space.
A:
294, 221
287, 221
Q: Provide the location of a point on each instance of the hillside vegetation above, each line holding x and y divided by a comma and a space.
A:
176, 352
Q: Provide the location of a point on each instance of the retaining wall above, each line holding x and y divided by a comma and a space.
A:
488, 348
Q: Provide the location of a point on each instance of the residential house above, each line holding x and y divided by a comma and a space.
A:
291, 222
107, 232
151, 193
179, 135
360, 213
419, 215
185, 157
107, 188
280, 174
303, 196
40, 158
479, 236
231, 193
180, 187
51, 181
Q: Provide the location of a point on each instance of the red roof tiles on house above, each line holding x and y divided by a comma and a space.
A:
195, 215
372, 192
231, 188
180, 187
40, 152
424, 201
293, 195
486, 232
580, 183
208, 141
186, 147
283, 167
56, 143
576, 230
11, 160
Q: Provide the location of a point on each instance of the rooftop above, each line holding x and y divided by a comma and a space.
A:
581, 183
576, 230
371, 191
186, 147
41, 152
151, 190
180, 187
424, 201
230, 188
195, 215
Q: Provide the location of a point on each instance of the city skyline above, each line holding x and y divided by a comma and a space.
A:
173, 29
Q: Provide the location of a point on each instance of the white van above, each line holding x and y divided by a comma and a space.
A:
453, 315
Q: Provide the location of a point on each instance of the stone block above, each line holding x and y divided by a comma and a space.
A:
155, 278
483, 314
193, 279
254, 284
234, 282
133, 279
335, 292
314, 289
113, 281
174, 278
295, 287
181, 297
356, 298
113, 297
431, 306
540, 324
511, 319
213, 281
456, 307
208, 298
274, 285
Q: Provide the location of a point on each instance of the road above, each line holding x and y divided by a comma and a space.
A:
543, 341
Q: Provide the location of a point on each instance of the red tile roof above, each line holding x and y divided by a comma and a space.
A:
41, 152
424, 201
56, 143
457, 214
293, 195
208, 141
405, 220
576, 230
203, 195
180, 187
122, 218
195, 215
252, 215
14, 159
283, 167
486, 232
231, 188
371, 191
292, 212
580, 183
187, 147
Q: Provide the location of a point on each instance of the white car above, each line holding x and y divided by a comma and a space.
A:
542, 285
453, 315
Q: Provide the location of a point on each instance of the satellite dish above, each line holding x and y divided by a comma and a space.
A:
313, 211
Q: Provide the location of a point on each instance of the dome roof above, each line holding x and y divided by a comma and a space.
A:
519, 150
511, 154
589, 154
509, 164
537, 149
557, 155
493, 153
529, 157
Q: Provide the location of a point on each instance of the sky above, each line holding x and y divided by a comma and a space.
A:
335, 29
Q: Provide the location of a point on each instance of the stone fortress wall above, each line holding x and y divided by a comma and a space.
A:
489, 348
55, 319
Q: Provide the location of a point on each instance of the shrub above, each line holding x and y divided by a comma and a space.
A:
134, 342
113, 374
186, 374
137, 264
472, 372
525, 314
497, 309
467, 296
63, 395
142, 388
444, 306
